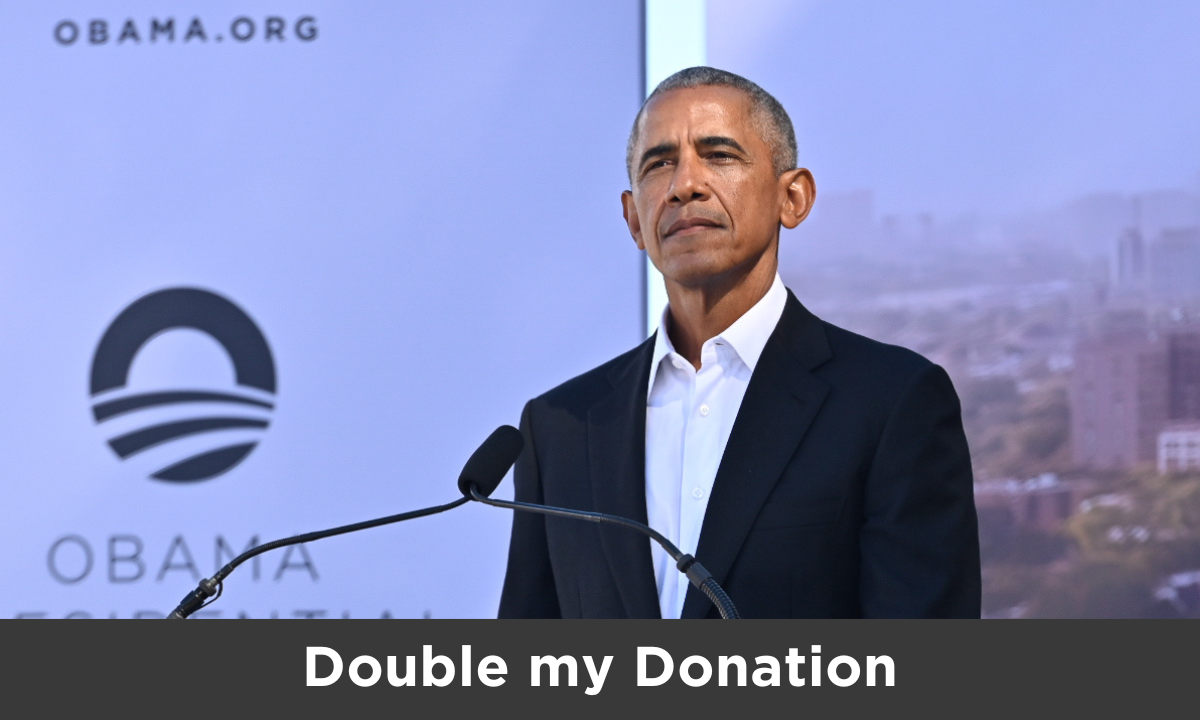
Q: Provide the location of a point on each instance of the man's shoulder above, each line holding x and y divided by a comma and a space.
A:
832, 351
583, 390
878, 373
866, 353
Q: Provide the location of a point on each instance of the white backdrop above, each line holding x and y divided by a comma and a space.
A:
417, 207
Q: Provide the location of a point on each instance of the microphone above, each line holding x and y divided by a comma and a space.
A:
509, 442
488, 465
486, 468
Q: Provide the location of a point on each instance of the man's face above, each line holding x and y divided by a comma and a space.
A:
706, 203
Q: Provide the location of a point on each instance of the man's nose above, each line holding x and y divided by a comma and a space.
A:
689, 182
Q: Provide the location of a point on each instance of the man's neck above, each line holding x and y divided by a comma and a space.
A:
698, 314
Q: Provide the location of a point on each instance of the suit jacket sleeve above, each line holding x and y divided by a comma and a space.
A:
920, 542
529, 589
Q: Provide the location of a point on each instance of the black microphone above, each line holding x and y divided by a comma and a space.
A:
486, 467
509, 443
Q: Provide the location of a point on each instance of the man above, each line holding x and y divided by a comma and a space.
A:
813, 472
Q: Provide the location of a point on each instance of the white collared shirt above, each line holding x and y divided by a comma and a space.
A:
689, 415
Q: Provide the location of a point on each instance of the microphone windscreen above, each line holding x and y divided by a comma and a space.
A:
487, 466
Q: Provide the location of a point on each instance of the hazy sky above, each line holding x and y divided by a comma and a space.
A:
987, 105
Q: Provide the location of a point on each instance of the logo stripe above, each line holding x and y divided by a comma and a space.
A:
205, 465
139, 440
112, 408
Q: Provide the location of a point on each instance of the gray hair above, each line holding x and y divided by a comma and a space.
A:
769, 117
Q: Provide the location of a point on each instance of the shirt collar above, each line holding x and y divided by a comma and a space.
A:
747, 336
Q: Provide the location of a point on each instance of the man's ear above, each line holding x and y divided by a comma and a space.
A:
631, 218
800, 191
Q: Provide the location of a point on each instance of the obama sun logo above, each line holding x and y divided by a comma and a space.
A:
193, 446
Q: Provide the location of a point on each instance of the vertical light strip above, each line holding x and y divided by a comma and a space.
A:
675, 39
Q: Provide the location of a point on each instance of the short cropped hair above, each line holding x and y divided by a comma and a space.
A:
768, 115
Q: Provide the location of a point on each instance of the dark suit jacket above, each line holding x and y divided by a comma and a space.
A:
845, 489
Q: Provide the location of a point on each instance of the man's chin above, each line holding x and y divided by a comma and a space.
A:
696, 273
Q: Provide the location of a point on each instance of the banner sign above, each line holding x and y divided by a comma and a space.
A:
270, 268
824, 668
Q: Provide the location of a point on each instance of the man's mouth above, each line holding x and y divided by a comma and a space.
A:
684, 226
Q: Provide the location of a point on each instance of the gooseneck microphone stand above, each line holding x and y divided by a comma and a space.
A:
696, 573
487, 465
211, 587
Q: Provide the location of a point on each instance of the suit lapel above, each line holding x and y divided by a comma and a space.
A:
781, 401
617, 466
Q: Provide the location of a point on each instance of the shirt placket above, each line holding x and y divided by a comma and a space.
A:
700, 439
684, 381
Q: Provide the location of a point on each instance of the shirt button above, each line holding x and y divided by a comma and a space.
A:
703, 411
697, 493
